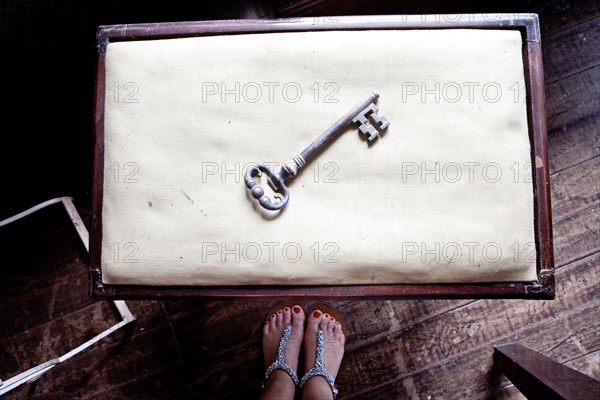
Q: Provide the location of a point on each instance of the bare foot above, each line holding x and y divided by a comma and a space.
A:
333, 352
280, 384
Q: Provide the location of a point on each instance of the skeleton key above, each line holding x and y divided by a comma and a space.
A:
363, 113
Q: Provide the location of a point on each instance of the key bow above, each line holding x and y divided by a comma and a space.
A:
258, 193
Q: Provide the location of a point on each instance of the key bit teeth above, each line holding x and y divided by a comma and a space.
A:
383, 125
368, 130
380, 120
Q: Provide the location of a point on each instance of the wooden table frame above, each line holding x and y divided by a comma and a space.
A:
527, 24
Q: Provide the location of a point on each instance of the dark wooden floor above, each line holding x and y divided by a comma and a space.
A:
396, 349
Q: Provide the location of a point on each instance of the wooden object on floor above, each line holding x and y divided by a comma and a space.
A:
34, 373
527, 24
539, 377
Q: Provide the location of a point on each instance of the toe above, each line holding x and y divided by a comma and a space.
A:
279, 319
330, 325
337, 328
273, 321
297, 316
287, 316
327, 328
338, 333
314, 319
297, 313
269, 327
324, 322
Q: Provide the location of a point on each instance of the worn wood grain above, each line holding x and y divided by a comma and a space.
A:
575, 189
588, 364
475, 325
166, 383
207, 334
37, 250
55, 338
193, 328
100, 370
34, 307
577, 236
572, 104
473, 374
573, 98
572, 90
572, 51
509, 392
44, 266
574, 142
561, 15
186, 309
122, 357
379, 319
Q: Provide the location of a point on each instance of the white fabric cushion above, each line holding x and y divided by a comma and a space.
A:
445, 195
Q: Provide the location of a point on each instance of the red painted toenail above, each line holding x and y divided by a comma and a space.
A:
326, 315
278, 311
287, 309
297, 310
316, 314
333, 319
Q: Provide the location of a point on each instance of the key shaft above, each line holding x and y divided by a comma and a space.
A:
290, 168
338, 127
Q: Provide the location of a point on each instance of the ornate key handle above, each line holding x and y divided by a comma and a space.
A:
364, 113
257, 192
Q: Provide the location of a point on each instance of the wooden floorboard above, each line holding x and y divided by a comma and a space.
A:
577, 236
479, 325
575, 189
472, 374
573, 99
562, 15
572, 51
574, 142
433, 350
